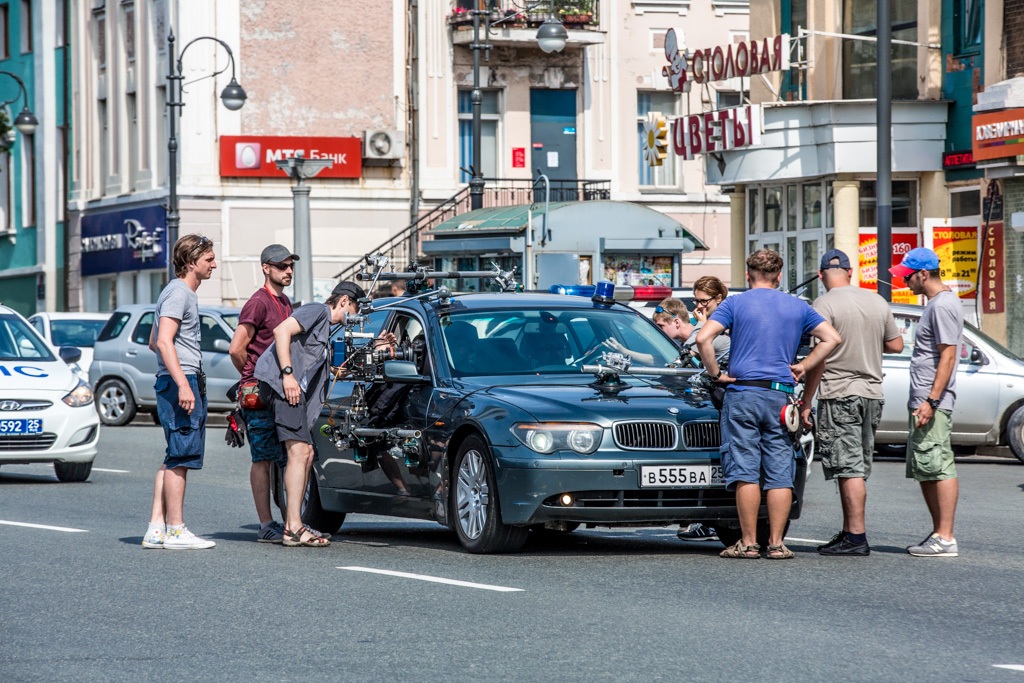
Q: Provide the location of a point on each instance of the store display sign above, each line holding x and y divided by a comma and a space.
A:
952, 161
743, 59
638, 270
518, 157
243, 156
993, 284
956, 242
126, 240
998, 134
716, 131
867, 262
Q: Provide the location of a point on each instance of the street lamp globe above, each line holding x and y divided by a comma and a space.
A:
233, 96
551, 36
26, 122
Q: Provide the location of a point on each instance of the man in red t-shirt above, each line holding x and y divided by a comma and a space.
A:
266, 309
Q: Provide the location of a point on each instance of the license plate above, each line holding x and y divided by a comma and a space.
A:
21, 426
680, 476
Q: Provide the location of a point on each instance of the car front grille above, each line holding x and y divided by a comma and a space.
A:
27, 442
24, 404
702, 435
655, 498
646, 436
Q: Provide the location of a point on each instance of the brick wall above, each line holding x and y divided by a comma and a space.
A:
1013, 29
1013, 202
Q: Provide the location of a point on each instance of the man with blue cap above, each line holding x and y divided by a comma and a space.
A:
932, 394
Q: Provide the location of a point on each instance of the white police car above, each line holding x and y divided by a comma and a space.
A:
46, 410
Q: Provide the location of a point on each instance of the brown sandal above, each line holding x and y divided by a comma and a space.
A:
293, 539
781, 552
743, 552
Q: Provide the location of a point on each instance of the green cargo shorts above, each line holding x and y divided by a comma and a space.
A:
846, 435
929, 451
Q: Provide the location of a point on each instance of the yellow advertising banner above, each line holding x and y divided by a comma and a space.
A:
867, 262
956, 243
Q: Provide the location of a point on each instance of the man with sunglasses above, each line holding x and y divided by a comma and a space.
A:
267, 308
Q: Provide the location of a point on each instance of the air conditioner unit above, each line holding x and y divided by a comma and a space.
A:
383, 144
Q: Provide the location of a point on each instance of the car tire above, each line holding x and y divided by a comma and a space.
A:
115, 403
313, 512
1015, 433
729, 536
891, 450
72, 471
474, 507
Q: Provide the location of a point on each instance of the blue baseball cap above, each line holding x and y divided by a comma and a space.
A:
915, 260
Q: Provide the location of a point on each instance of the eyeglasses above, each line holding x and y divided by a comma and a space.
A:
702, 302
282, 266
659, 309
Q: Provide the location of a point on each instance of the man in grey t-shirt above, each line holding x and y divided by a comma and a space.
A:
932, 394
849, 392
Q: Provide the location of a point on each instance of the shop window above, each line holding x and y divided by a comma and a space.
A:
860, 56
772, 209
904, 204
638, 270
812, 206
810, 266
26, 26
965, 203
753, 211
792, 207
665, 103
490, 116
967, 26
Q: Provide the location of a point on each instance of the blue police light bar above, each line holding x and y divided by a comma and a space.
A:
605, 293
573, 290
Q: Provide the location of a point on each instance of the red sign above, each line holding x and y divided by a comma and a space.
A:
254, 155
714, 131
993, 287
953, 160
868, 263
722, 63
518, 157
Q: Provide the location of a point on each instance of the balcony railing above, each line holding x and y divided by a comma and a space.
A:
575, 14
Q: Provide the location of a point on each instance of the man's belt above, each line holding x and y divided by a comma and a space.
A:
765, 384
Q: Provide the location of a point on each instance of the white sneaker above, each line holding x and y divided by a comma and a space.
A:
154, 538
183, 539
934, 546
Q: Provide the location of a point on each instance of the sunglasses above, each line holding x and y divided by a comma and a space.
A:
282, 266
659, 309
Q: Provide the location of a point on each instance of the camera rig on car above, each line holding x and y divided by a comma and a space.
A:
363, 422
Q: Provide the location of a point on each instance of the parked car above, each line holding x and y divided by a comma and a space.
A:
989, 391
123, 369
45, 409
514, 436
71, 329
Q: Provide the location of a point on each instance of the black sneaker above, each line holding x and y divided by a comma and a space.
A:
846, 548
838, 538
697, 532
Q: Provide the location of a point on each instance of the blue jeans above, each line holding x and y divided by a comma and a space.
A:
185, 434
755, 445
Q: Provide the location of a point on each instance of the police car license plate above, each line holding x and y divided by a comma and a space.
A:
21, 426
680, 476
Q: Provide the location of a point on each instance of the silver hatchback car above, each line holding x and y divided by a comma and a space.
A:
989, 391
124, 369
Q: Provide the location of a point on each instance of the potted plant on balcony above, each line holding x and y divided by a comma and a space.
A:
460, 18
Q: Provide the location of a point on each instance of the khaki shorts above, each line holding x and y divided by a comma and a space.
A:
929, 451
846, 435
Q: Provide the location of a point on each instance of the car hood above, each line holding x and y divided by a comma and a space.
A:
559, 402
27, 376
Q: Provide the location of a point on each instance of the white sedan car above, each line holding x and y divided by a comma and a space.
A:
71, 329
46, 410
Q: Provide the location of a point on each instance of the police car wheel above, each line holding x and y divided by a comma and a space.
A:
115, 403
72, 471
474, 508
313, 512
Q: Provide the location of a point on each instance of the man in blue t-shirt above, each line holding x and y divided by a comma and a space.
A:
766, 325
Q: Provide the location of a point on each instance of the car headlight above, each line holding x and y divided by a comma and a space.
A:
548, 437
79, 396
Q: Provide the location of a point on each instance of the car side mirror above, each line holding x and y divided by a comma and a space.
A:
977, 358
70, 354
403, 372
221, 345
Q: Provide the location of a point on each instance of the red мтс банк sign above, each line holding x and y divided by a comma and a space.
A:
254, 156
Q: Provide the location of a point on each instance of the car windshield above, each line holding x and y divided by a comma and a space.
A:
549, 341
81, 333
19, 341
993, 343
231, 319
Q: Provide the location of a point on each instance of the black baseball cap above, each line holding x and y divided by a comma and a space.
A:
277, 253
353, 290
831, 255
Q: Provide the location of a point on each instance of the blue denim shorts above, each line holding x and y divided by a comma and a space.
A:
185, 434
756, 448
263, 443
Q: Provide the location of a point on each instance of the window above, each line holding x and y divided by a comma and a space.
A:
965, 203
28, 180
60, 25
114, 326
210, 331
80, 333
904, 204
161, 135
5, 192
26, 26
812, 206
129, 33
731, 98
132, 112
794, 16
4, 23
967, 23
103, 149
490, 115
100, 20
772, 209
859, 57
753, 212
665, 103
143, 329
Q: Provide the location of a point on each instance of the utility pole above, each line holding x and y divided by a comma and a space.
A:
883, 184
300, 169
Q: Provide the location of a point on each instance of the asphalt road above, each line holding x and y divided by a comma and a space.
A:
594, 604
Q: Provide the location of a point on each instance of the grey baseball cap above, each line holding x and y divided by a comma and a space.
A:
276, 253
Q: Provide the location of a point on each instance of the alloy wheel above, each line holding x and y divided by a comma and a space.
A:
472, 494
112, 402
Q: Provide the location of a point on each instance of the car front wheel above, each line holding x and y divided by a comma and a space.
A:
312, 511
477, 514
72, 471
114, 403
1015, 433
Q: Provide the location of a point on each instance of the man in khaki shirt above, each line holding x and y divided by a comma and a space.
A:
849, 389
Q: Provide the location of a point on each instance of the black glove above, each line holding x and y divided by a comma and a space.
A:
235, 434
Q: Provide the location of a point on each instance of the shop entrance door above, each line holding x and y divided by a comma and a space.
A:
810, 255
553, 133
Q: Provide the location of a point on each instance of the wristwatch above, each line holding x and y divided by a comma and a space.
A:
714, 378
933, 402
286, 370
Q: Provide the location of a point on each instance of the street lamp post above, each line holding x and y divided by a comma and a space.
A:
300, 169
26, 121
233, 97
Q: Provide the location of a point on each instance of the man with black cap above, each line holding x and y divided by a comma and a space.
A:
267, 308
849, 389
293, 374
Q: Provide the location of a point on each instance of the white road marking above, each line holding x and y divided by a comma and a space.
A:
45, 526
434, 579
103, 469
1011, 667
804, 540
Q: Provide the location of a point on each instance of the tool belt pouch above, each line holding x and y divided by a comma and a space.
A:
249, 397
201, 381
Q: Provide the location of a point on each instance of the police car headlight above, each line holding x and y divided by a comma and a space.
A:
80, 396
548, 437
